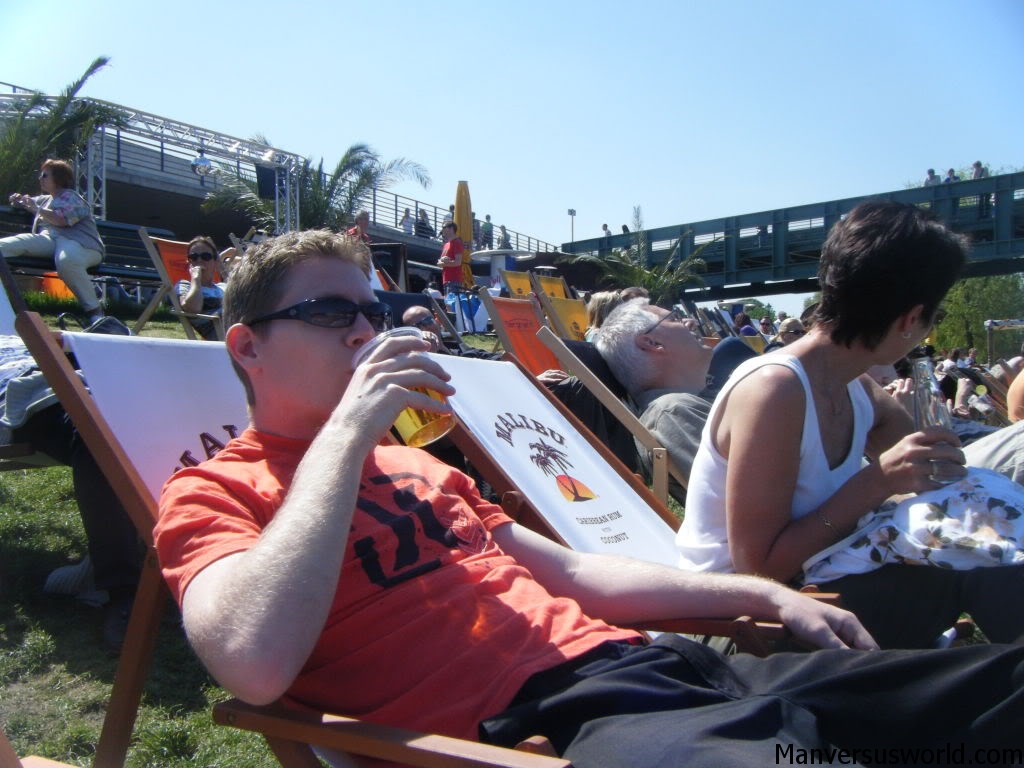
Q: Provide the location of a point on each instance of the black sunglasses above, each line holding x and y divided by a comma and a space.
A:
332, 312
203, 256
424, 321
673, 316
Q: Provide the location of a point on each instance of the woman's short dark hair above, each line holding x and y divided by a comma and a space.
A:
878, 263
61, 172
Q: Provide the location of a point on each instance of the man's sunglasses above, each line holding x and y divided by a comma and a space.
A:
675, 316
203, 256
423, 322
332, 312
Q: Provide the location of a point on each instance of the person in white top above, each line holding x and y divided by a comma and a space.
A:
884, 270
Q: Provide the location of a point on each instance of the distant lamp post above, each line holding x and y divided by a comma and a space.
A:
572, 225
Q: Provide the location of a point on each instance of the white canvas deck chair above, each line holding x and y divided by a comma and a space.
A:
138, 439
560, 480
662, 465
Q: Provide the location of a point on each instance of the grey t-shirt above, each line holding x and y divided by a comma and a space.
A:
677, 419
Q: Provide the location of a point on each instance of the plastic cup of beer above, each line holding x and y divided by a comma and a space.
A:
416, 427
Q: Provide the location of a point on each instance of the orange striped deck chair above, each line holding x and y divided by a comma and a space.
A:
516, 322
170, 257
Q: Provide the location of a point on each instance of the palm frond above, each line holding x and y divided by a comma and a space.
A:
237, 194
631, 266
38, 127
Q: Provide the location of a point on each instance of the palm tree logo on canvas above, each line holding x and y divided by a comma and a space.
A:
555, 463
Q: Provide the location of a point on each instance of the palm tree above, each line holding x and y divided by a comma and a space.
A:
631, 266
36, 126
549, 459
325, 200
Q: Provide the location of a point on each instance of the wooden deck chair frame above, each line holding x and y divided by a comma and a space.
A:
662, 465
535, 356
166, 288
550, 285
151, 595
288, 732
750, 636
556, 308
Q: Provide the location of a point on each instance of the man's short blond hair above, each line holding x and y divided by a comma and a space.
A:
259, 278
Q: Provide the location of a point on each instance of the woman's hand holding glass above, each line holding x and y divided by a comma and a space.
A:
923, 461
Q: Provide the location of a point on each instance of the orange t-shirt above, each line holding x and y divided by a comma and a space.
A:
433, 627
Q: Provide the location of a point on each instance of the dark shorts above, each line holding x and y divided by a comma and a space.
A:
676, 703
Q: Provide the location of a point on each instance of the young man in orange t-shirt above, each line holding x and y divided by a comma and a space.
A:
315, 564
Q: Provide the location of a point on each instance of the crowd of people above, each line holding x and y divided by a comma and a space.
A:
482, 235
317, 564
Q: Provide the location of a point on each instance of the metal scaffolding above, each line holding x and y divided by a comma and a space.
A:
91, 164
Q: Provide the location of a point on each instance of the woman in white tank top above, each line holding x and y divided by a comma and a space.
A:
811, 410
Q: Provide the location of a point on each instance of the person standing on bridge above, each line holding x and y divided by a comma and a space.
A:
984, 201
67, 233
932, 179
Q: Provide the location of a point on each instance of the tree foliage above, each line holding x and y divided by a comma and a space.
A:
970, 303
36, 127
325, 199
632, 267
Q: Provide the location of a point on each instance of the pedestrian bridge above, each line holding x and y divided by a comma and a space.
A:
774, 252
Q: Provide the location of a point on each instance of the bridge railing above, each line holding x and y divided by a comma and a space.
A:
785, 244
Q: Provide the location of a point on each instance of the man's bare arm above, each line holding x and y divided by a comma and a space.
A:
624, 590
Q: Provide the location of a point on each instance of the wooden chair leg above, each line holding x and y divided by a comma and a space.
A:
136, 659
150, 309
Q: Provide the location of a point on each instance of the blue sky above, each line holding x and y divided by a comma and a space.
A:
689, 110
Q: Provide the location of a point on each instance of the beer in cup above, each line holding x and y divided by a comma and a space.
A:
416, 427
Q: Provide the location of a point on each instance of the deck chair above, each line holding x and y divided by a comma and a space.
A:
662, 466
559, 480
150, 442
517, 283
9, 758
516, 322
550, 285
400, 302
568, 317
170, 257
